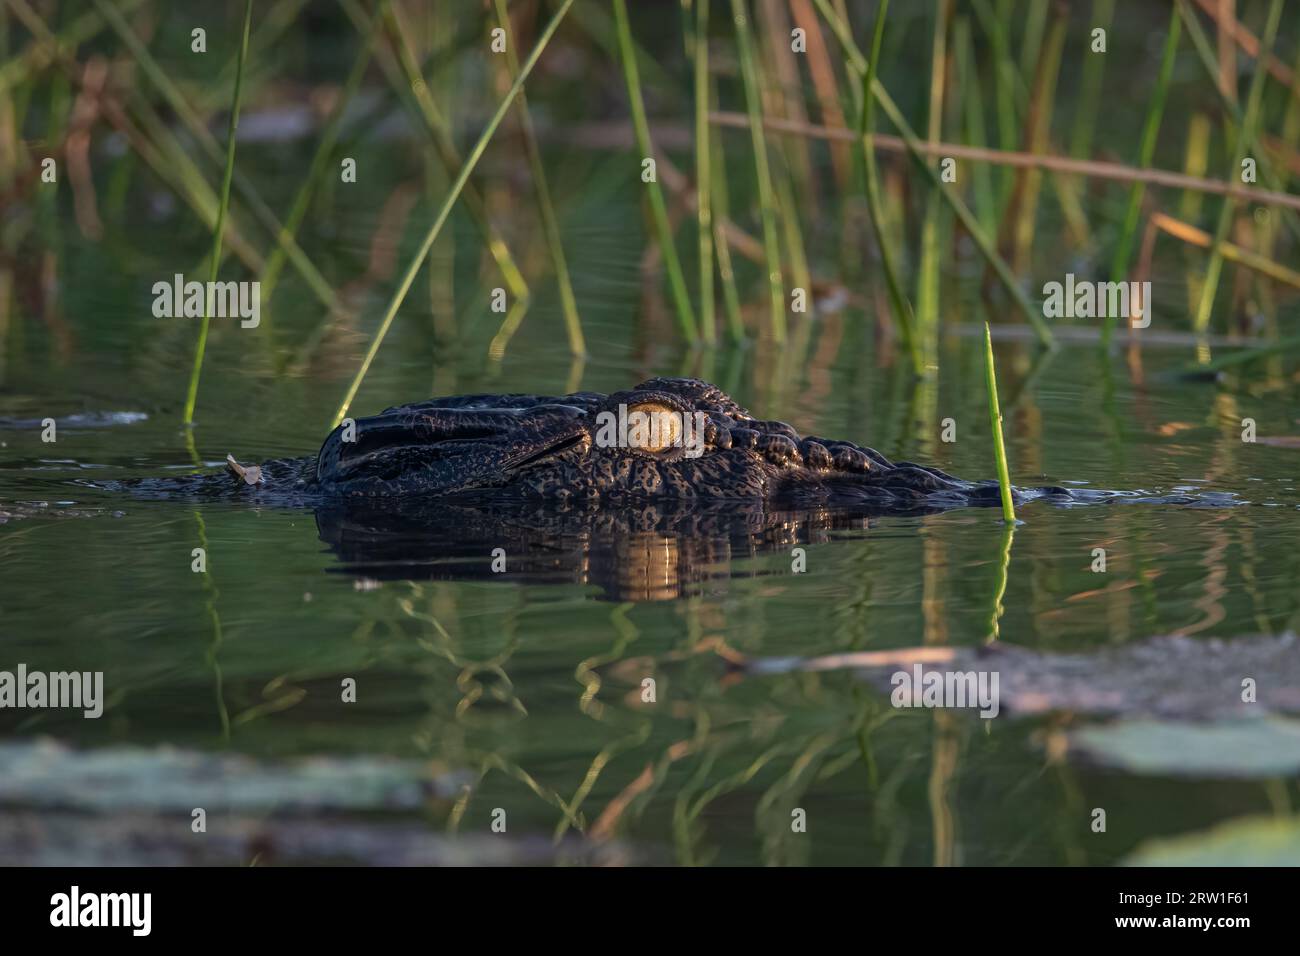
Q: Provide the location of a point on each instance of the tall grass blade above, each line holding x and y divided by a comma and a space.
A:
207, 142
1233, 110
1094, 65
1022, 211
403, 73
766, 191
1245, 141
658, 208
1150, 130
973, 120
720, 213
704, 171
550, 222
902, 309
457, 188
995, 426
842, 33
316, 169
1006, 81
1031, 46
927, 277
41, 48
192, 393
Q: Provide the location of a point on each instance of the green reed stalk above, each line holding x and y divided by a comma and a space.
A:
1196, 160
704, 170
782, 84
456, 189
1035, 24
973, 113
175, 169
1245, 140
914, 147
721, 212
162, 151
603, 29
550, 222
193, 392
1005, 83
788, 209
1038, 123
317, 168
270, 28
790, 158
902, 309
440, 267
208, 143
1206, 55
408, 81
995, 425
1094, 66
41, 48
1150, 130
766, 192
658, 208
1290, 134
927, 273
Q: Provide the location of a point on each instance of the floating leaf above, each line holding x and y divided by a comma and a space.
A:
1181, 678
45, 773
76, 839
1267, 747
1252, 841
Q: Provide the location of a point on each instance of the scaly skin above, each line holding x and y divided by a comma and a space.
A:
533, 447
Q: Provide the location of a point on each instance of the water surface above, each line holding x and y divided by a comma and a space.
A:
532, 679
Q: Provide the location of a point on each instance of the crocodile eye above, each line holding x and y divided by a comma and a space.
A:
653, 426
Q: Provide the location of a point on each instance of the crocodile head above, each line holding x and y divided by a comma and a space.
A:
667, 438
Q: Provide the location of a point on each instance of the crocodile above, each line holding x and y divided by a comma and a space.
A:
415, 491
578, 447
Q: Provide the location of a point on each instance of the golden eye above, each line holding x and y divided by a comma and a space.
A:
653, 426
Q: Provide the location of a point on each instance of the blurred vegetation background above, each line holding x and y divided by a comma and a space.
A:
1083, 139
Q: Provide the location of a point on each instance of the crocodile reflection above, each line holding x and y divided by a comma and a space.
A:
661, 551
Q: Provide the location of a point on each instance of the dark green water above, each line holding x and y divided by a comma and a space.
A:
536, 685
531, 683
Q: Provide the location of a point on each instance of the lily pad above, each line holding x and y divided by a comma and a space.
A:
1268, 747
45, 773
1174, 678
1253, 841
29, 838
